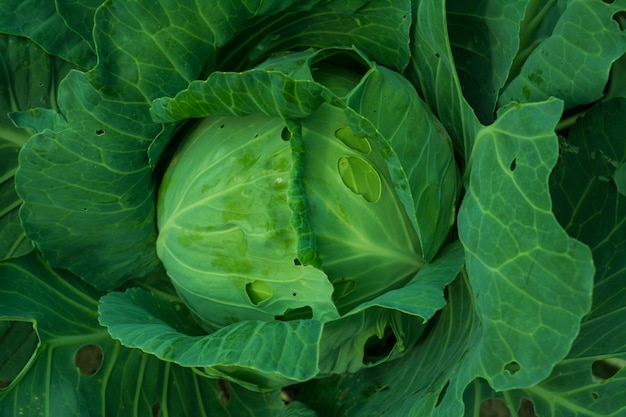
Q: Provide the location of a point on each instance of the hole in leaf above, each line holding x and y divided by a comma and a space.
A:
302, 313
18, 347
603, 369
343, 287
223, 391
620, 18
526, 409
377, 349
258, 291
88, 359
608, 1
285, 134
289, 394
372, 389
595, 395
297, 262
99, 132
512, 367
156, 407
513, 164
442, 393
494, 407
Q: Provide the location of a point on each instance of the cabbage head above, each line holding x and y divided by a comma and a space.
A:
308, 188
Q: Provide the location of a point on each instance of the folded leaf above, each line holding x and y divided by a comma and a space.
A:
432, 70
484, 39
244, 352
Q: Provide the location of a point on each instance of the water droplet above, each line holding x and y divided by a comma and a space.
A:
358, 143
360, 177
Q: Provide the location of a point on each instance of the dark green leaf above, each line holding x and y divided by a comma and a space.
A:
244, 352
432, 71
410, 386
40, 21
573, 63
588, 204
89, 188
79, 16
484, 39
78, 370
380, 28
18, 343
532, 282
591, 380
230, 94
28, 78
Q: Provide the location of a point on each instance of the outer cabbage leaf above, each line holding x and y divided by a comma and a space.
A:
89, 188
275, 94
532, 282
380, 28
76, 369
411, 386
572, 64
591, 379
37, 19
397, 318
28, 78
484, 38
247, 353
590, 205
438, 377
433, 72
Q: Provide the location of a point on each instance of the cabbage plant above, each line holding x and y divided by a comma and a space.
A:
320, 207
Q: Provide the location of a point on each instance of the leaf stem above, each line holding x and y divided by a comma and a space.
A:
568, 121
